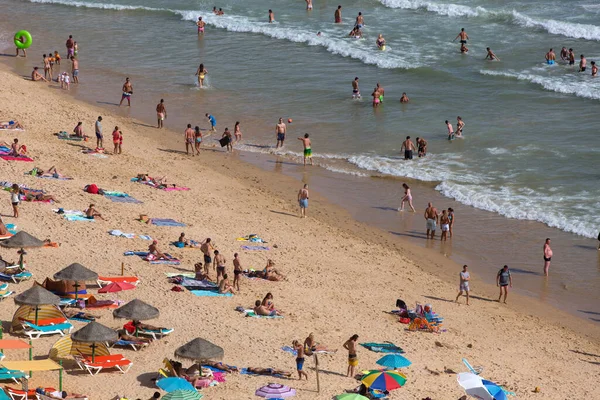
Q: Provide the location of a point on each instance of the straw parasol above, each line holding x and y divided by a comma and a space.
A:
37, 296
77, 273
200, 350
93, 333
136, 310
22, 240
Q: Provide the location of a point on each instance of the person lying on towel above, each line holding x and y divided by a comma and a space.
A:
140, 325
269, 371
11, 125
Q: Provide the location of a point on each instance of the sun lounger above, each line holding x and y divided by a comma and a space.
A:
155, 333
106, 280
43, 397
17, 394
104, 362
11, 374
126, 343
16, 278
36, 331
3, 286
5, 293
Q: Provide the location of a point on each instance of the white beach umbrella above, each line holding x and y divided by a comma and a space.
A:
474, 386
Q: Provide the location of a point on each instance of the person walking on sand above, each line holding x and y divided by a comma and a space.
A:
504, 280
408, 147
280, 131
271, 16
355, 89
99, 137
237, 271
237, 132
431, 216
451, 218
161, 113
190, 137
490, 55
351, 345
303, 200
127, 92
445, 224
547, 256
450, 130
338, 15
299, 359
464, 277
307, 148
75, 69
407, 197
213, 122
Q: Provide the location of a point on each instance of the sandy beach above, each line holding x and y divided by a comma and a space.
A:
342, 277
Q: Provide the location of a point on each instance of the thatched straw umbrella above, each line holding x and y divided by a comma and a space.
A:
93, 333
77, 273
200, 350
22, 240
37, 296
136, 310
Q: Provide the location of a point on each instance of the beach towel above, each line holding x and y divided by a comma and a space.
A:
151, 258
116, 232
255, 248
20, 158
71, 217
194, 284
123, 199
385, 347
192, 244
145, 237
184, 274
251, 313
215, 369
65, 136
251, 238
175, 189
165, 222
209, 293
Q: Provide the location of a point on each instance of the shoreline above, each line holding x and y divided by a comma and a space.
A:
324, 258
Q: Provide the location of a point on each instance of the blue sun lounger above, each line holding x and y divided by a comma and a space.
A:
36, 331
11, 374
16, 278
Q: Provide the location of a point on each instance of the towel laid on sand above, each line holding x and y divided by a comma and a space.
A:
118, 233
165, 222
184, 274
251, 313
20, 158
151, 258
122, 199
208, 293
255, 248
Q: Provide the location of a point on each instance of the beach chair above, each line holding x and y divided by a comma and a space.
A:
474, 370
126, 343
3, 287
36, 331
105, 280
5, 293
2, 356
103, 362
17, 394
11, 374
16, 278
44, 397
156, 334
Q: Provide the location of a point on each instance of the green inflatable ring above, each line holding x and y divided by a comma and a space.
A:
28, 39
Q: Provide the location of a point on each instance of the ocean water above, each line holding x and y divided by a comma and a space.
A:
531, 149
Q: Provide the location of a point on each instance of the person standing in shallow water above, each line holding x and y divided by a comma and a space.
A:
547, 256
303, 200
161, 113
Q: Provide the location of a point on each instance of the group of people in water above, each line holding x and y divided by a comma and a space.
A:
568, 56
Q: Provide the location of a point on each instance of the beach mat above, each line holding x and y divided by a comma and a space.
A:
256, 248
78, 218
209, 293
123, 199
184, 274
382, 347
252, 314
165, 222
12, 158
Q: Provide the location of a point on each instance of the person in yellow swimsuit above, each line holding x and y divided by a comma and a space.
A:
351, 345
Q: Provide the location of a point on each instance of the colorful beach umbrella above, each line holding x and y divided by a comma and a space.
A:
182, 395
116, 287
384, 380
479, 388
172, 384
394, 361
275, 391
350, 396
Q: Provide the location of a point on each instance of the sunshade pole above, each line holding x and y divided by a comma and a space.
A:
60, 372
1, 331
122, 268
31, 353
76, 285
36, 314
21, 258
93, 352
317, 370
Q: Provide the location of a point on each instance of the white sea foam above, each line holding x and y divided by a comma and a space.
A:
567, 84
568, 29
235, 23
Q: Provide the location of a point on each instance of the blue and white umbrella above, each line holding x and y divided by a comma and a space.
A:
479, 388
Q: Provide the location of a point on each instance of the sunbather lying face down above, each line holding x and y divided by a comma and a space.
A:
11, 125
269, 371
147, 327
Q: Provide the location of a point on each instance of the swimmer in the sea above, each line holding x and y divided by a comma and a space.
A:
594, 69
463, 49
550, 57
360, 22
309, 5
490, 55
582, 64
564, 54
380, 42
355, 33
355, 89
463, 39
271, 16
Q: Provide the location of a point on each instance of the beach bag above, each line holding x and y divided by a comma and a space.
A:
93, 189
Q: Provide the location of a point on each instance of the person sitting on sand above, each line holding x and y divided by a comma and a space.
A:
269, 371
153, 250
15, 149
3, 230
92, 213
311, 345
268, 302
225, 287
11, 125
180, 373
259, 309
182, 241
200, 273
36, 76
271, 273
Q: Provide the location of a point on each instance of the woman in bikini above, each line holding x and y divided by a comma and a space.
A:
201, 74
407, 197
237, 132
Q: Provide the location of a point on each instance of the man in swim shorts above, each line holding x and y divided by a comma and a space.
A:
351, 345
571, 57
205, 248
200, 24
547, 256
161, 113
303, 200
550, 57
75, 69
307, 148
213, 122
237, 271
445, 224
431, 216
464, 277
582, 64
99, 137
355, 89
463, 37
299, 359
408, 148
70, 46
190, 136
127, 92
504, 280
219, 262
360, 21
280, 131
338, 15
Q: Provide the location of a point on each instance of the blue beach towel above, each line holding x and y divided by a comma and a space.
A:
255, 248
165, 222
290, 350
123, 199
78, 218
251, 313
209, 293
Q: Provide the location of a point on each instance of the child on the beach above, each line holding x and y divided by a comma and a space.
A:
116, 138
15, 199
57, 57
